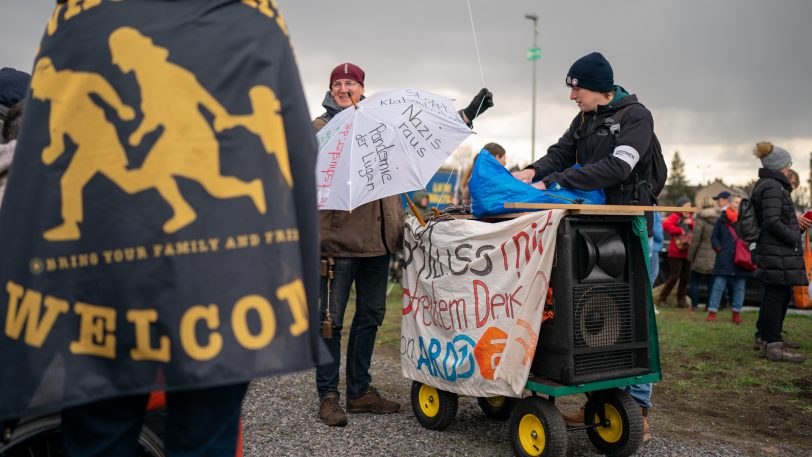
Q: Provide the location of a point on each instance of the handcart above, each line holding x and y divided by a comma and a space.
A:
588, 248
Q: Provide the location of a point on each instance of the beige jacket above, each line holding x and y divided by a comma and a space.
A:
700, 252
372, 229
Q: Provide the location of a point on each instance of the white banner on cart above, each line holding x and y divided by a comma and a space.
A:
473, 301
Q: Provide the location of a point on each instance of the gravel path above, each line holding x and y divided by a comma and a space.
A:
280, 419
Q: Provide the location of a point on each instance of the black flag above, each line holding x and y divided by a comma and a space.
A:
159, 227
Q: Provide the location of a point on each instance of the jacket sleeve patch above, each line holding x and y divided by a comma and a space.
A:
627, 154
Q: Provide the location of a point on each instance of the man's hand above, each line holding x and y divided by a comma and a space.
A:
525, 176
539, 185
481, 102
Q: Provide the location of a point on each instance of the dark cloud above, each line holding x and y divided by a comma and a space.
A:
713, 72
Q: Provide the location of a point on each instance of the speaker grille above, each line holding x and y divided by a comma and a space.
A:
602, 315
603, 362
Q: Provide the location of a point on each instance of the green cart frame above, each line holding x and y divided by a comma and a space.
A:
613, 419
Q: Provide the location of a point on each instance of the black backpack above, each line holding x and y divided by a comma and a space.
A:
655, 182
747, 225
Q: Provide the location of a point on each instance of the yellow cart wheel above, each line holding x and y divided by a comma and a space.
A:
622, 432
537, 429
434, 408
497, 408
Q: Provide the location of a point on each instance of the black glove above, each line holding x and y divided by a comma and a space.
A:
481, 102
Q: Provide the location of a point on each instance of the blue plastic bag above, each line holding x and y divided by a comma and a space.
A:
492, 185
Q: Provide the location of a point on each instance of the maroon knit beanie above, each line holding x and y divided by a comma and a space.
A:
347, 71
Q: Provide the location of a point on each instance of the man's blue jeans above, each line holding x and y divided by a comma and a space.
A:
641, 394
653, 261
369, 275
719, 287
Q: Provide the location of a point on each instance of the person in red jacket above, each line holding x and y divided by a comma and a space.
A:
679, 225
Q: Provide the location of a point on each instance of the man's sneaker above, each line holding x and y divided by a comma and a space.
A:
758, 344
575, 419
777, 352
711, 316
372, 402
331, 412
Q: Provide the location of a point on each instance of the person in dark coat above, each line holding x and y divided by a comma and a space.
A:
614, 156
725, 271
778, 252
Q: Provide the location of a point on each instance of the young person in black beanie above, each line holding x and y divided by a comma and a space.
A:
611, 138
613, 157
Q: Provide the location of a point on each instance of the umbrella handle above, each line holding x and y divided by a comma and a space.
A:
349, 94
415, 211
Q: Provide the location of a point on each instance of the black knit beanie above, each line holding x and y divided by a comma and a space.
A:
592, 72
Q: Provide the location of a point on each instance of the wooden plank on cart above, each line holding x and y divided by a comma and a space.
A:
618, 210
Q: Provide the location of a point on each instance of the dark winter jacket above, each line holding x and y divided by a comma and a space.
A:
701, 253
724, 244
372, 229
778, 254
606, 152
677, 224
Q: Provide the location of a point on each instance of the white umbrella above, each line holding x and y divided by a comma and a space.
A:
389, 143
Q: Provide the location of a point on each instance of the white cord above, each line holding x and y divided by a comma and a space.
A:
476, 46
442, 195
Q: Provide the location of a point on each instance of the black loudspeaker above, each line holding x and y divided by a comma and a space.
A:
599, 282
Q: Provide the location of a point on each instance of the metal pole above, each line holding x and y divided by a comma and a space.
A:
533, 18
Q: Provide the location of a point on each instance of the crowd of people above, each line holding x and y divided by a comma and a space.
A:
355, 247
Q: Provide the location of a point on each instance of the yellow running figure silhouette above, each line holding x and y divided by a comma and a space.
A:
98, 150
170, 98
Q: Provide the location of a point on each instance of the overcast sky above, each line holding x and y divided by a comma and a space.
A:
718, 75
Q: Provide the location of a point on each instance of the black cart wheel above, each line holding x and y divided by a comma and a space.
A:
42, 436
497, 408
622, 431
537, 429
434, 408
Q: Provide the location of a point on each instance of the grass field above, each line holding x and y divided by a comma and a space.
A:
700, 357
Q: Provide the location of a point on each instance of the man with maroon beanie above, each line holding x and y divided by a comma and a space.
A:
355, 248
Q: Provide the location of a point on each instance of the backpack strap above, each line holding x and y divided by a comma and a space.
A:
638, 180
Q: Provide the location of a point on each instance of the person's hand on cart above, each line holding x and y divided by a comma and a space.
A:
525, 176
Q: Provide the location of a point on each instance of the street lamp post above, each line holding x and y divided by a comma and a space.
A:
534, 54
